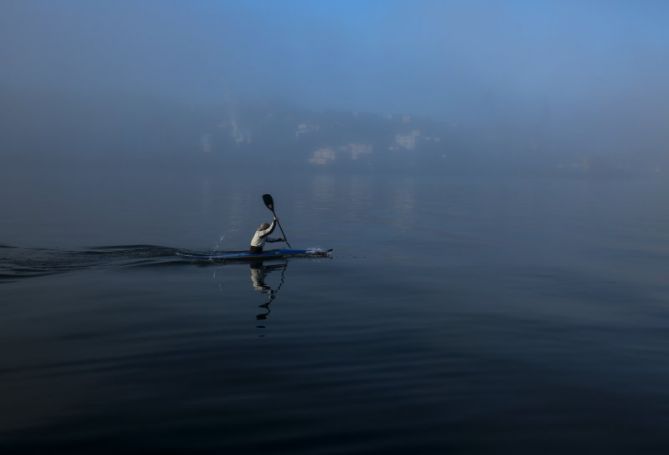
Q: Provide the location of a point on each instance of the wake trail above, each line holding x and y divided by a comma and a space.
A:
20, 263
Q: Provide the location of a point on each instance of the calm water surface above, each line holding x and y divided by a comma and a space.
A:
456, 315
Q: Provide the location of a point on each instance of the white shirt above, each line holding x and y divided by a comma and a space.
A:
261, 235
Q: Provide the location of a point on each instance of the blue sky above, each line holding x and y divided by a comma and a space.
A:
440, 58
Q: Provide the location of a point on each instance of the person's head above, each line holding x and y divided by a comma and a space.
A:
263, 226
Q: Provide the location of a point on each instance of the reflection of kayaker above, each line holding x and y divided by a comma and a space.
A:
258, 273
258, 278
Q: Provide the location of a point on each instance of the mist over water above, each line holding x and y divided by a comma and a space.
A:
490, 175
462, 86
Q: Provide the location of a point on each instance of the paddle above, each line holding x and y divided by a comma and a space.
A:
269, 203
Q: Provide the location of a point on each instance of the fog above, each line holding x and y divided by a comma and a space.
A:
510, 86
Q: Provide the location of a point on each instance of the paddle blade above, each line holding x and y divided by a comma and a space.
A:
269, 201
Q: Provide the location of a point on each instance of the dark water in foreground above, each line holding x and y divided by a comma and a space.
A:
456, 316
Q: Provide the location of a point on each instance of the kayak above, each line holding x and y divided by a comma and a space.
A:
248, 256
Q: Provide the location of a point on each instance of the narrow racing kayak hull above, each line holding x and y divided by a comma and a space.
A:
250, 257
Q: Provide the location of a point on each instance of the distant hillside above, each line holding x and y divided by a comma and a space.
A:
39, 128
338, 140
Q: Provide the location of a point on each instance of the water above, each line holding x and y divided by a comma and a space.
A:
456, 315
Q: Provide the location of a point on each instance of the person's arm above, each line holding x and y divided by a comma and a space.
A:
280, 239
269, 230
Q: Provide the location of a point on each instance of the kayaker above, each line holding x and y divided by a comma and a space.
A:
262, 235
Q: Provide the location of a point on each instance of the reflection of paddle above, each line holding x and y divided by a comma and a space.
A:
269, 203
